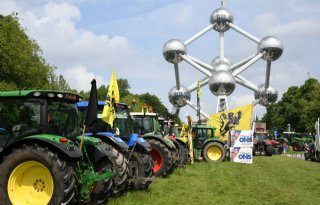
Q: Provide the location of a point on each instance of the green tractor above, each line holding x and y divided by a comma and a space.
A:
163, 151
204, 143
40, 157
170, 130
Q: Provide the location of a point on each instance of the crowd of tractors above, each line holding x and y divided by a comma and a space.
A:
47, 156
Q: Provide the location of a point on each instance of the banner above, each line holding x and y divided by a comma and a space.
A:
113, 96
234, 119
241, 154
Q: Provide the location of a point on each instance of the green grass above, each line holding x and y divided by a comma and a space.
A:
269, 180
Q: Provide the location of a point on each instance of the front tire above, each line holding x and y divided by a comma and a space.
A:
213, 152
34, 174
269, 150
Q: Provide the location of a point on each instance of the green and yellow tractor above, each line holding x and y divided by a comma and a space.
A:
41, 159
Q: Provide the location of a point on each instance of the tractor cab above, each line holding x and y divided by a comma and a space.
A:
201, 133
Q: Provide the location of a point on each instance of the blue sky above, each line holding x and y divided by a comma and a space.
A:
88, 39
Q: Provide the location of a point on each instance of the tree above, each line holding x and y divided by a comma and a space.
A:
21, 63
299, 107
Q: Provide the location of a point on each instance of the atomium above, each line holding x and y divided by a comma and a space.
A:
178, 98
222, 75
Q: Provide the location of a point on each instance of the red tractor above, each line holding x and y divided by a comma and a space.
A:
262, 145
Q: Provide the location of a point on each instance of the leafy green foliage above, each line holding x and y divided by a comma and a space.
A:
299, 107
21, 63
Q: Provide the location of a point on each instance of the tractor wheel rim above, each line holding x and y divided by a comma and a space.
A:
30, 183
214, 153
157, 158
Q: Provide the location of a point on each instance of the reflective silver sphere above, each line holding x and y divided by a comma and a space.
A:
272, 46
222, 83
178, 97
220, 17
221, 66
172, 49
216, 61
266, 96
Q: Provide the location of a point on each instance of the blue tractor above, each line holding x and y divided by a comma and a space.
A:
121, 136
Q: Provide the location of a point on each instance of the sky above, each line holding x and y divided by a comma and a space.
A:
88, 39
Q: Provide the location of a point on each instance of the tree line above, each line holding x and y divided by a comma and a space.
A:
22, 66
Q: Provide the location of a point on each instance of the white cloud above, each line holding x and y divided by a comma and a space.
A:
79, 77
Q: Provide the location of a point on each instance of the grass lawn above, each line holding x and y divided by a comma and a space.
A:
269, 180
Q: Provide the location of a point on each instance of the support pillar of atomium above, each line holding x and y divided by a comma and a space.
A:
222, 76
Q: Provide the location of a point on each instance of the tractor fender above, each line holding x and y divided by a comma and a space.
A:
168, 143
97, 152
110, 138
181, 142
141, 142
212, 140
69, 150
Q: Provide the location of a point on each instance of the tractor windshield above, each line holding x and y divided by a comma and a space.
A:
63, 119
146, 124
123, 121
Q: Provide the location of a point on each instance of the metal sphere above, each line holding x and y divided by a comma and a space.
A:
220, 19
217, 60
272, 48
178, 97
221, 66
222, 83
172, 49
266, 96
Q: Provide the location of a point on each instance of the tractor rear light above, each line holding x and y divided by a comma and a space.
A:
63, 140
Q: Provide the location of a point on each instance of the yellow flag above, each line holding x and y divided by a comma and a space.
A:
235, 119
113, 96
199, 89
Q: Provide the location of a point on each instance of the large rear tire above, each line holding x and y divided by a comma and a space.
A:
33, 174
213, 152
140, 169
118, 164
161, 157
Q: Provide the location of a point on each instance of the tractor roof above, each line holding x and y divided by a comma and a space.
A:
50, 94
143, 114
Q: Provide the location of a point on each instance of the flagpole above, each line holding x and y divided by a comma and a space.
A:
82, 136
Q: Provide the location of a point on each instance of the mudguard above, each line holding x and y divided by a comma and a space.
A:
168, 143
97, 152
181, 141
52, 141
139, 142
110, 138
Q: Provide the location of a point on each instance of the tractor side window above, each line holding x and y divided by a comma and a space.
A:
18, 117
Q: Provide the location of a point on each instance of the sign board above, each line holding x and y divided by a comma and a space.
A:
275, 134
240, 138
241, 154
